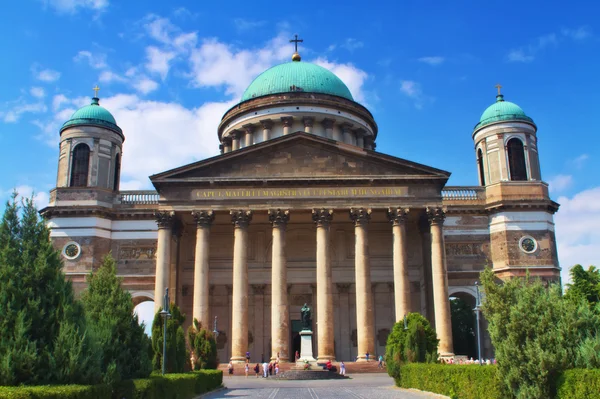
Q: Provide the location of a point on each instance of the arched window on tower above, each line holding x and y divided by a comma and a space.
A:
80, 165
117, 172
480, 164
516, 159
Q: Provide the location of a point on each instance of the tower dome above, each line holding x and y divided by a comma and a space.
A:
502, 110
297, 76
93, 115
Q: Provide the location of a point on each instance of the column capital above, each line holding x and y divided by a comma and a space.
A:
241, 218
397, 216
343, 288
226, 140
287, 120
360, 132
322, 217
360, 216
203, 218
279, 217
165, 219
258, 289
248, 128
308, 121
328, 123
266, 123
436, 216
235, 134
346, 126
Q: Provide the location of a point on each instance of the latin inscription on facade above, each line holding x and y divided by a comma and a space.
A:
292, 193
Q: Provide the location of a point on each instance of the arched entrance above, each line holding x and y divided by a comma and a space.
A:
143, 303
464, 333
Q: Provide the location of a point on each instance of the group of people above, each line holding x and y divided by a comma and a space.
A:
471, 361
268, 368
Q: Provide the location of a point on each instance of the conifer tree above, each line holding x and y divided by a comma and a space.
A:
177, 355
42, 328
113, 325
203, 346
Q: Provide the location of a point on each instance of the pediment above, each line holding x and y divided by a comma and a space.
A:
300, 156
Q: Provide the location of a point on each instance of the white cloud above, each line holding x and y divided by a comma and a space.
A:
577, 232
160, 29
519, 56
37, 92
352, 76
109, 76
158, 61
413, 90
352, 44
433, 61
40, 199
559, 183
45, 75
580, 160
583, 32
58, 101
145, 85
242, 24
13, 114
73, 6
96, 61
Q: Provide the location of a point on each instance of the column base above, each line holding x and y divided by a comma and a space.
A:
364, 359
238, 360
280, 360
445, 357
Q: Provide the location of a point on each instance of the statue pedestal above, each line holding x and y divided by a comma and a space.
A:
306, 352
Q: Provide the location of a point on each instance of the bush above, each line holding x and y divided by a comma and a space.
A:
418, 343
203, 346
578, 384
177, 356
171, 386
464, 382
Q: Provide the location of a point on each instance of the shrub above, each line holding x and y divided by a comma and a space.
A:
464, 382
57, 392
578, 384
418, 343
177, 356
203, 346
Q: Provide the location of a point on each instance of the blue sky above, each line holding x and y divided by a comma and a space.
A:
426, 69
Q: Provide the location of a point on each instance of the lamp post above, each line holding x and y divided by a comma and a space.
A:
477, 310
165, 315
215, 331
405, 323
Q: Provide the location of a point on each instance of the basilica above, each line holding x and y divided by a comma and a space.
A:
301, 207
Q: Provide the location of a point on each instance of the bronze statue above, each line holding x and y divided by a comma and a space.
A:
306, 320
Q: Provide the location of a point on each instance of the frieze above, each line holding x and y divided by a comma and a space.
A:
135, 252
298, 193
463, 249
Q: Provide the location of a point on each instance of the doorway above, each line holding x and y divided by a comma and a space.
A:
296, 328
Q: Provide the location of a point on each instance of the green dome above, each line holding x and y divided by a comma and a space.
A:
297, 76
93, 114
502, 111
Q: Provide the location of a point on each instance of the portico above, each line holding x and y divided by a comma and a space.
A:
283, 234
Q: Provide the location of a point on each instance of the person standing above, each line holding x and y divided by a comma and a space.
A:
265, 367
367, 356
256, 369
342, 368
297, 356
380, 363
230, 368
246, 369
247, 357
276, 368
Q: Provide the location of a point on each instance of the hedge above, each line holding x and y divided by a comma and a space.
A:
171, 386
578, 384
456, 381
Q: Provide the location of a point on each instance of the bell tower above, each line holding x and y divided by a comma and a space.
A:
90, 149
520, 210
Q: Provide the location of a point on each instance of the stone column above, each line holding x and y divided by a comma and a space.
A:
249, 137
200, 310
364, 296
280, 330
328, 126
235, 140
308, 123
369, 144
164, 220
360, 134
287, 123
443, 323
239, 304
226, 145
347, 132
397, 216
267, 125
325, 334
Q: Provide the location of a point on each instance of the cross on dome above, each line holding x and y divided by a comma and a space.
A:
296, 56
96, 89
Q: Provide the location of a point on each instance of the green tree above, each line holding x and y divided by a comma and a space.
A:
535, 332
113, 325
585, 285
417, 343
42, 328
463, 328
203, 346
177, 356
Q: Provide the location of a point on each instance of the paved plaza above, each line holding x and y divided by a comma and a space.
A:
376, 386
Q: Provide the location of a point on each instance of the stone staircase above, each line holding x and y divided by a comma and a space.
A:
351, 367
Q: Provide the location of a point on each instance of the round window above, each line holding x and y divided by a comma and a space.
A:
528, 244
71, 250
